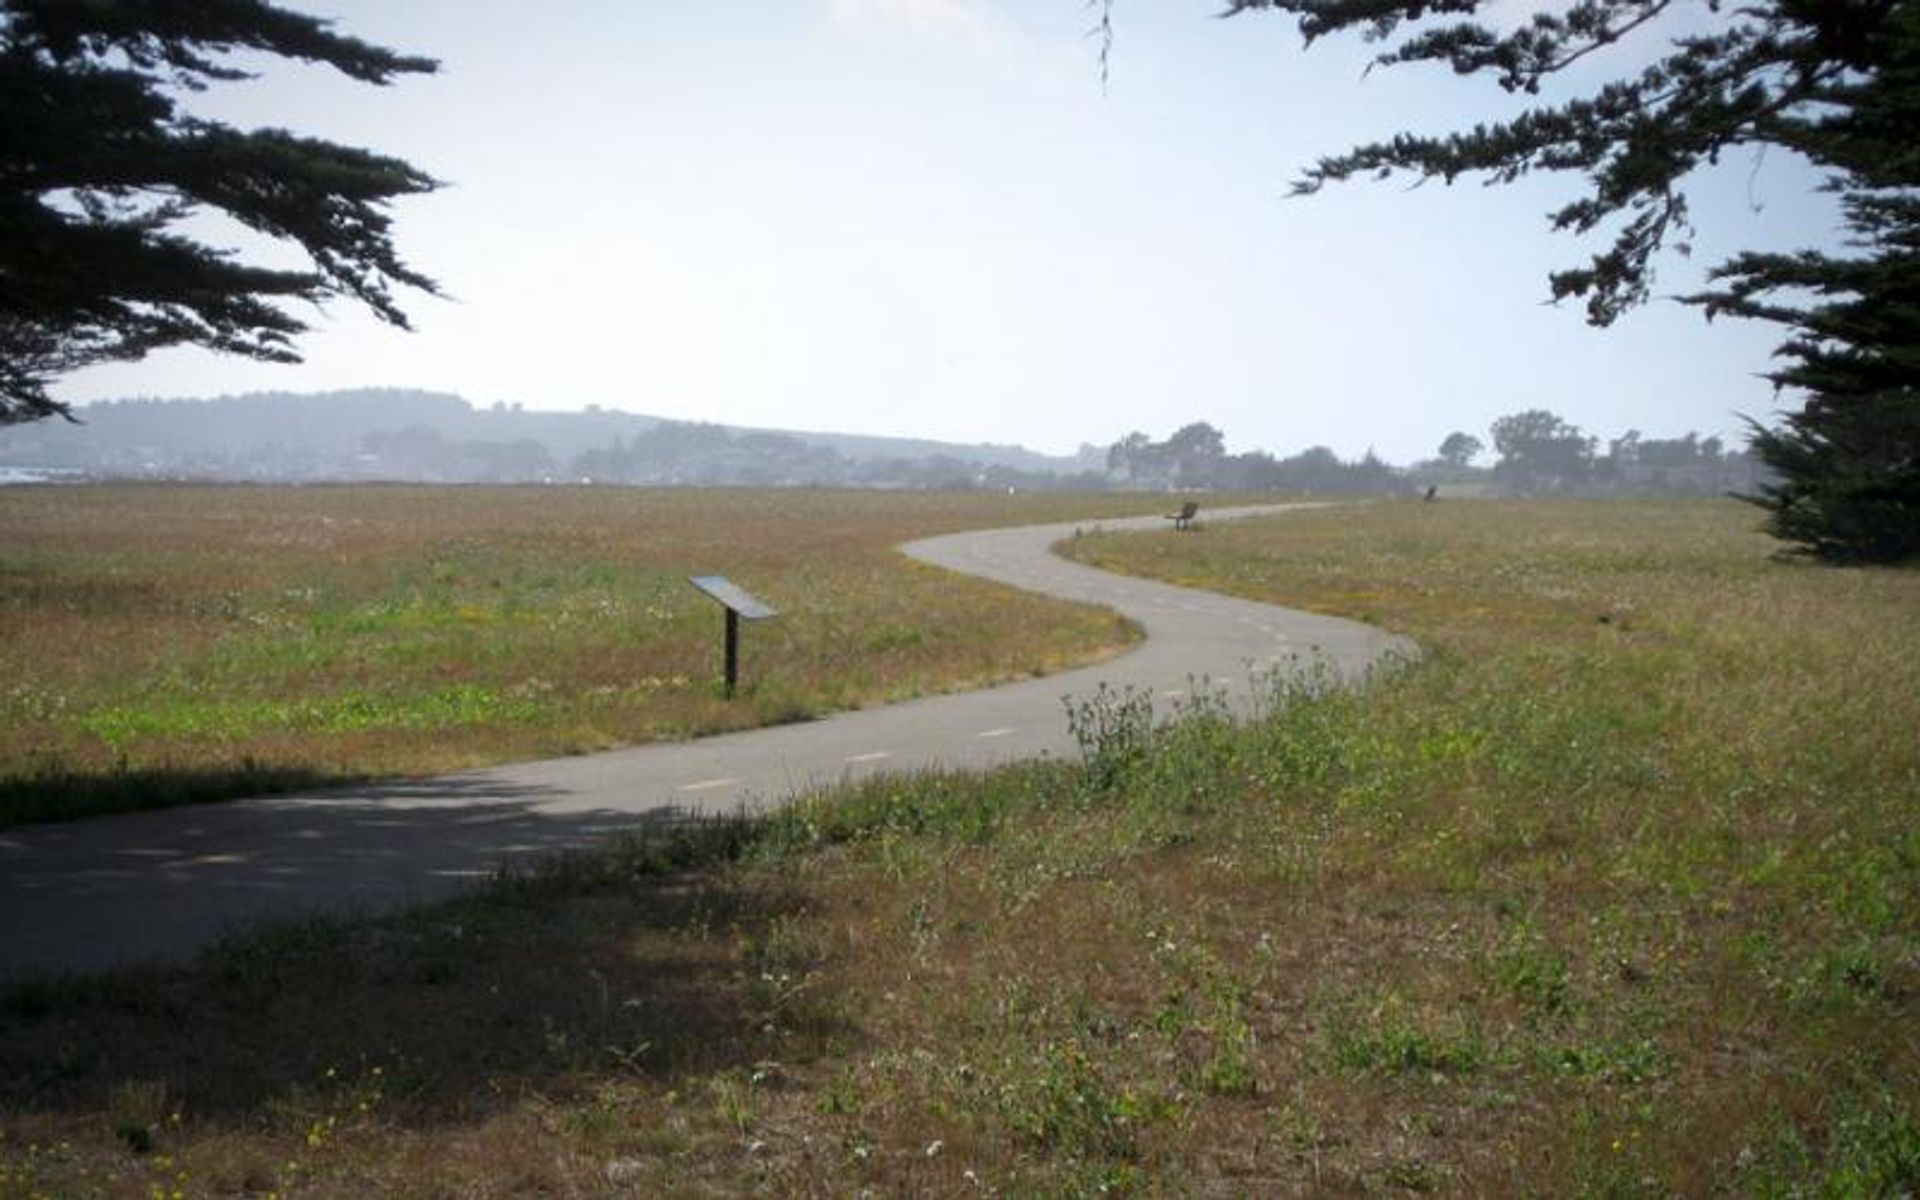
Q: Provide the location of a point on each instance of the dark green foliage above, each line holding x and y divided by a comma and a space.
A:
1849, 462
1833, 81
1850, 477
99, 166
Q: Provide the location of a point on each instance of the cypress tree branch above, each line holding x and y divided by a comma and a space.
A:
1834, 81
99, 166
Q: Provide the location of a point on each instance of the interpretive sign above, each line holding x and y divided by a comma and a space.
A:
741, 605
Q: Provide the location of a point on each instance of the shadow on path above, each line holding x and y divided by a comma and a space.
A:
181, 878
449, 1013
73, 795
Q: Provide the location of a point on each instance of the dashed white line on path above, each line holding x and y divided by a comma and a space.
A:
876, 756
706, 784
994, 733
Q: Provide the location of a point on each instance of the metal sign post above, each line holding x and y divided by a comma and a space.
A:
740, 605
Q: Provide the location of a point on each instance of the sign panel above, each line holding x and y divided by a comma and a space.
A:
737, 599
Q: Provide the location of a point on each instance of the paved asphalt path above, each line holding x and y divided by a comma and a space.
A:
159, 885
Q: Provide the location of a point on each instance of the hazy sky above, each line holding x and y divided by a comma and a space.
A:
925, 217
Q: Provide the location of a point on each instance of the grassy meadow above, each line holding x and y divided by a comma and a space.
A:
1615, 892
162, 644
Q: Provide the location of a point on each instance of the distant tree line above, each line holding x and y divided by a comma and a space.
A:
1537, 453
1541, 453
1195, 458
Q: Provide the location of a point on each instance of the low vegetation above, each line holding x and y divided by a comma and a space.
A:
1615, 891
166, 644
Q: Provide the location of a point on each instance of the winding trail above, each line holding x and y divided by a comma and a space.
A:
160, 885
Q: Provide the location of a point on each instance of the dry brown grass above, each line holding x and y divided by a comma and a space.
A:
1616, 893
183, 642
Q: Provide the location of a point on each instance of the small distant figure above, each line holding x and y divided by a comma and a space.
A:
1433, 493
1184, 518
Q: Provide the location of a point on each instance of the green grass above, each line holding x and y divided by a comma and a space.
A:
1616, 891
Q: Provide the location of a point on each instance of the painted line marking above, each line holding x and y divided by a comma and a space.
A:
708, 784
875, 756
994, 733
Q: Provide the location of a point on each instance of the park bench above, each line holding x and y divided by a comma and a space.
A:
1184, 518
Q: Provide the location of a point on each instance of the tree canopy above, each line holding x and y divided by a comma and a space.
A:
101, 170
1834, 81
1459, 449
1541, 452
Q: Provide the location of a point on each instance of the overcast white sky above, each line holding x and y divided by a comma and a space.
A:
924, 217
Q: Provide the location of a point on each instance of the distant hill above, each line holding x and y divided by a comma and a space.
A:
868, 446
396, 434
393, 434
